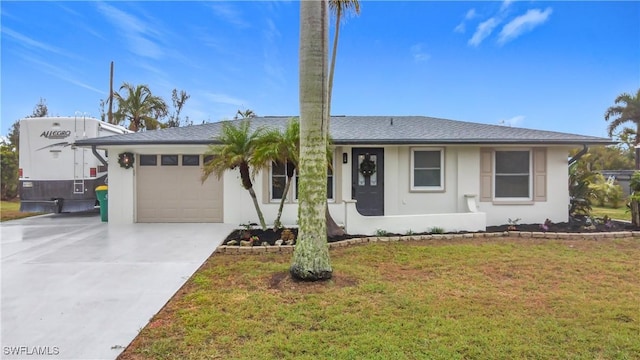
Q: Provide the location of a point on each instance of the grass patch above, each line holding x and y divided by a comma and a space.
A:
10, 210
441, 299
622, 213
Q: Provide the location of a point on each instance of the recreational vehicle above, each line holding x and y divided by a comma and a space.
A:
55, 175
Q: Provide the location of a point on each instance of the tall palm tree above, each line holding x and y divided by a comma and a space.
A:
626, 110
140, 107
311, 255
283, 147
339, 8
238, 144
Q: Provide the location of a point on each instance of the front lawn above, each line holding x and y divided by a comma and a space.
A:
496, 298
622, 213
10, 210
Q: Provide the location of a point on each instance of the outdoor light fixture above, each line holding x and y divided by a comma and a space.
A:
345, 158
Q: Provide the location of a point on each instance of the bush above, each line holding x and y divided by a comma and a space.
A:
9, 172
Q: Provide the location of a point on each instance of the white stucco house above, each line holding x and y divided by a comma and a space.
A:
429, 172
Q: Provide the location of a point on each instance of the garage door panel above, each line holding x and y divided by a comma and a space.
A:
176, 194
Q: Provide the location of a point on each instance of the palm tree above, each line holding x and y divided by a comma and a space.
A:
338, 7
627, 113
244, 114
238, 144
283, 147
311, 255
140, 107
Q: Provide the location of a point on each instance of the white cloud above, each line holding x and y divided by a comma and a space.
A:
483, 30
135, 30
30, 43
229, 13
419, 54
514, 121
523, 23
505, 5
470, 15
225, 99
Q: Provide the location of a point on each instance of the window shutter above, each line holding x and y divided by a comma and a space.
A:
486, 175
540, 174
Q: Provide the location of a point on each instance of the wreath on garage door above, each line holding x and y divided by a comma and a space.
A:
126, 160
367, 167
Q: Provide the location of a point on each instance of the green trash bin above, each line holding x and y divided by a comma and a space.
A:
103, 198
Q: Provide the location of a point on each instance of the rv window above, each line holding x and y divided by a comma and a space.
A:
169, 160
190, 160
148, 160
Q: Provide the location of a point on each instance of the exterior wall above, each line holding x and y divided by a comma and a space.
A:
121, 192
239, 208
122, 182
556, 206
462, 168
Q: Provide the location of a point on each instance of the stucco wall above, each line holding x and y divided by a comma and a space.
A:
121, 190
555, 208
462, 164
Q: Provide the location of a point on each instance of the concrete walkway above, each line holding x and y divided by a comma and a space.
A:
76, 288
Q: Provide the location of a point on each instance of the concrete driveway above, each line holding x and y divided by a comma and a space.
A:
76, 288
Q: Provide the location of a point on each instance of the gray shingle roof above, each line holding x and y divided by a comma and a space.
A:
368, 130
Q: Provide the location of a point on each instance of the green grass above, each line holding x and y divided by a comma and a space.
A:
622, 213
10, 210
456, 299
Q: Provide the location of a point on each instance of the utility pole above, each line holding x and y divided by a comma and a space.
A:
110, 115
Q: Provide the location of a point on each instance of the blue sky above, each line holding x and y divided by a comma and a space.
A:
534, 64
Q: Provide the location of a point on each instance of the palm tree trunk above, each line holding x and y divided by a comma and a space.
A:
332, 228
276, 223
334, 51
311, 255
257, 206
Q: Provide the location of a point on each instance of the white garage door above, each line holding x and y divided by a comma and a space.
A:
169, 190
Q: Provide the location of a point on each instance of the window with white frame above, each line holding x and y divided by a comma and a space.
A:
427, 169
512, 175
278, 181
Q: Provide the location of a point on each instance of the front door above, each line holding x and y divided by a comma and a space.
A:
367, 180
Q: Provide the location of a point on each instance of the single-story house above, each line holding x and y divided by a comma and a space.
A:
418, 173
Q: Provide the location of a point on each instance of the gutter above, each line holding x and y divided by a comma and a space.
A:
580, 154
98, 156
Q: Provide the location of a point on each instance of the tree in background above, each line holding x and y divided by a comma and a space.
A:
311, 254
140, 107
9, 171
41, 109
236, 150
247, 114
607, 158
178, 99
626, 110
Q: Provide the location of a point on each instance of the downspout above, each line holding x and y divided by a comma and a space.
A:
580, 154
98, 156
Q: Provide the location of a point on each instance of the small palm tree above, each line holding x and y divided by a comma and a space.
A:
283, 147
627, 113
236, 150
140, 107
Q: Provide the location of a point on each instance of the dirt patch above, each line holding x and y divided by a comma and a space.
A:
282, 281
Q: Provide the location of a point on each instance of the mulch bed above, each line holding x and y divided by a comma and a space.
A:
576, 225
